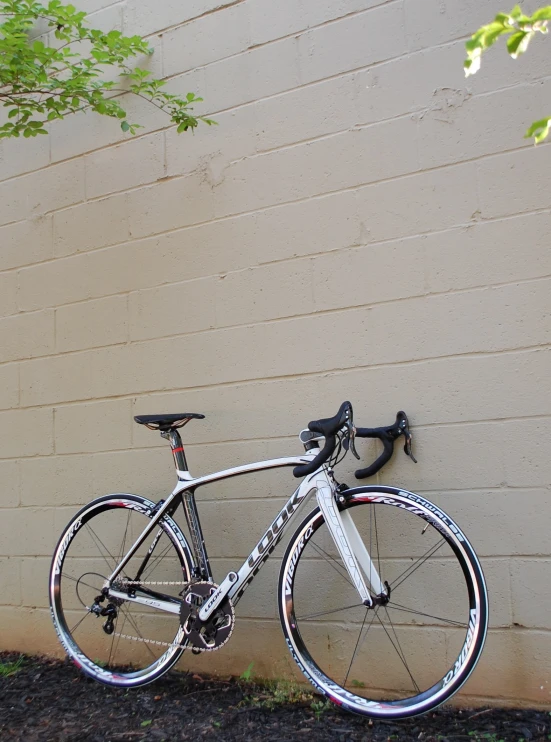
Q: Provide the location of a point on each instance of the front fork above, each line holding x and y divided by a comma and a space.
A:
349, 543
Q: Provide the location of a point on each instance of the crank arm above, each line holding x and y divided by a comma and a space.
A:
161, 605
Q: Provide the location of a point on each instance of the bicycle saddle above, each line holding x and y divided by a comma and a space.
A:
167, 422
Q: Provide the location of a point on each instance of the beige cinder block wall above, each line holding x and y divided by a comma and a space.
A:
363, 224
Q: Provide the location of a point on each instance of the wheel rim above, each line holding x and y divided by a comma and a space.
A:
144, 642
398, 659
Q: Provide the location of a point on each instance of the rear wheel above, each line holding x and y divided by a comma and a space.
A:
408, 654
116, 641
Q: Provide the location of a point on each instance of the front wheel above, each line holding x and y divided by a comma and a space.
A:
413, 650
117, 641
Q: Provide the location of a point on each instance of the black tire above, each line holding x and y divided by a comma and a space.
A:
144, 643
369, 653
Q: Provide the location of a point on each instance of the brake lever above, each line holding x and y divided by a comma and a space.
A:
349, 439
407, 446
403, 426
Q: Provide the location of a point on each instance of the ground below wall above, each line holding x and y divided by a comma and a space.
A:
48, 700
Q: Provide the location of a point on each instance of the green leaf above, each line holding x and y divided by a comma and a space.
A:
146, 723
543, 14
70, 77
539, 130
518, 43
247, 674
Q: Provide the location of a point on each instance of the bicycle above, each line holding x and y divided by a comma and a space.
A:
124, 577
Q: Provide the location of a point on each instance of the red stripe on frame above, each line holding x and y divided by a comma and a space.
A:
176, 450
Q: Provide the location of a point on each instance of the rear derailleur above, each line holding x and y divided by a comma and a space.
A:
109, 611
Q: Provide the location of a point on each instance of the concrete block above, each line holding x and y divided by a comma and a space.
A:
38, 526
169, 205
26, 433
504, 182
431, 22
90, 226
99, 426
486, 253
530, 601
11, 476
495, 523
8, 291
127, 165
92, 323
341, 161
350, 43
26, 242
208, 39
261, 72
264, 293
269, 22
176, 309
456, 127
69, 482
424, 202
147, 17
9, 386
10, 581
55, 187
27, 335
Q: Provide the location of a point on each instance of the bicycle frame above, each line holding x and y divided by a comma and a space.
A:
351, 548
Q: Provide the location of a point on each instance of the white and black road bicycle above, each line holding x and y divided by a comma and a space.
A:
381, 597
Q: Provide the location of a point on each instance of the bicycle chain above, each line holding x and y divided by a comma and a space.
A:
151, 641
156, 641
143, 582
141, 638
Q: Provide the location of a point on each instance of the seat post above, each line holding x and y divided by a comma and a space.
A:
173, 436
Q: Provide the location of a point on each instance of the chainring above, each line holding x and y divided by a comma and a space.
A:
209, 635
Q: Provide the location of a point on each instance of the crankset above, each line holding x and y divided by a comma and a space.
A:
209, 635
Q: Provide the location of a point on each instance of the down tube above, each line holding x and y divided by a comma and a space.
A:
252, 566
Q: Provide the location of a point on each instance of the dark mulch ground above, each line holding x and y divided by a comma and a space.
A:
51, 700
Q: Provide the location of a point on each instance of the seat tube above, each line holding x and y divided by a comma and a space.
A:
173, 437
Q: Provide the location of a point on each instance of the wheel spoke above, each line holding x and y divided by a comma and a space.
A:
97, 541
403, 608
333, 563
334, 610
406, 574
158, 559
75, 627
81, 582
123, 544
400, 653
355, 650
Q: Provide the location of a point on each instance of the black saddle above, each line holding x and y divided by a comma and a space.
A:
167, 422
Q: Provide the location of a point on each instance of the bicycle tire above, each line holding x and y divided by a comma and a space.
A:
372, 681
144, 643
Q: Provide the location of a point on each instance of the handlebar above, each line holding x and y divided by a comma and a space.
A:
387, 436
329, 427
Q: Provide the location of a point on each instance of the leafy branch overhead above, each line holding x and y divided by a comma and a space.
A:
520, 30
64, 71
